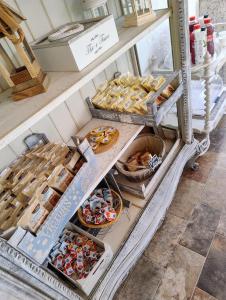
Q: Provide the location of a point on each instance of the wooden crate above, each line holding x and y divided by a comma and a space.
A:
155, 113
88, 283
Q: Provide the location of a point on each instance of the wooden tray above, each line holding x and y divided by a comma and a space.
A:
105, 147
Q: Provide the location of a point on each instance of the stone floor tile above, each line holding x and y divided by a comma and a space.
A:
215, 189
164, 242
206, 163
220, 159
221, 229
201, 229
142, 282
218, 140
181, 275
213, 276
188, 195
222, 123
201, 295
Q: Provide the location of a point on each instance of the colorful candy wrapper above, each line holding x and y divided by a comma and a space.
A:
58, 262
110, 215
68, 269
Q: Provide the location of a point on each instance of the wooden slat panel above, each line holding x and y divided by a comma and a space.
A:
99, 79
115, 8
110, 71
64, 122
57, 12
6, 157
24, 24
74, 9
18, 145
46, 126
122, 64
79, 109
88, 90
129, 61
36, 17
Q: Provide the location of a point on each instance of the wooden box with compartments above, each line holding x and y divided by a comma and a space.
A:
75, 52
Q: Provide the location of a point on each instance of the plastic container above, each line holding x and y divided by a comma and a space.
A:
210, 36
199, 44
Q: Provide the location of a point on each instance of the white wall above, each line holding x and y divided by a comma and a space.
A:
193, 7
69, 117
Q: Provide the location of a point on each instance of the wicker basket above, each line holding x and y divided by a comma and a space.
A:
144, 142
118, 206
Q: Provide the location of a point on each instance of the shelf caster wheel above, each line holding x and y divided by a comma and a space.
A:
195, 166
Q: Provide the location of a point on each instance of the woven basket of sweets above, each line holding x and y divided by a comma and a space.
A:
102, 209
144, 145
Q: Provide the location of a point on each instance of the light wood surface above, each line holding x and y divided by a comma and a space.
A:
64, 84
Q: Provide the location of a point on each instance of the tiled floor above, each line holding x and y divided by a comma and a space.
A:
187, 257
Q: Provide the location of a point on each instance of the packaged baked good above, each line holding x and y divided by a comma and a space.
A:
16, 209
58, 156
23, 180
33, 216
60, 178
168, 91
6, 176
6, 198
32, 186
47, 196
159, 100
71, 163
145, 158
157, 83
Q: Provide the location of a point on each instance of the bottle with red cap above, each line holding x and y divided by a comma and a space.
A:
192, 21
210, 35
198, 44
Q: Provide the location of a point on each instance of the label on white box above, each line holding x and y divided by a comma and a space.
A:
94, 43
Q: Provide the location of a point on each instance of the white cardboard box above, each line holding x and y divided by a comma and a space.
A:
76, 52
88, 283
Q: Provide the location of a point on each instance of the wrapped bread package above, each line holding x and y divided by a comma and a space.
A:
47, 196
33, 217
32, 185
130, 93
60, 178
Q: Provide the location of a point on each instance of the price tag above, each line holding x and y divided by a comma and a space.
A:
154, 162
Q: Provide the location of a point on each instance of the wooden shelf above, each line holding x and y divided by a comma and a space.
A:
79, 190
16, 117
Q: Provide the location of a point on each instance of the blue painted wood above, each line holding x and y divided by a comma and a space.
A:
38, 247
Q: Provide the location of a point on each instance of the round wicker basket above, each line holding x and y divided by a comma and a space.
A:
144, 142
118, 206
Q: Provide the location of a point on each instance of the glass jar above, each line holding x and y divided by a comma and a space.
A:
94, 8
